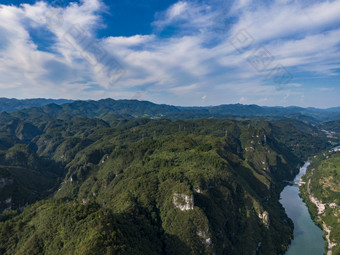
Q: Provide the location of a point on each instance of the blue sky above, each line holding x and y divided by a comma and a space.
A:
209, 52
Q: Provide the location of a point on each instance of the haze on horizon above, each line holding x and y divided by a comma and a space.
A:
211, 52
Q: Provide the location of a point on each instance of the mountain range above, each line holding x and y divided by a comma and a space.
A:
134, 177
12, 104
109, 109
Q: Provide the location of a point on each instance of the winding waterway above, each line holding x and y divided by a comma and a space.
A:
308, 238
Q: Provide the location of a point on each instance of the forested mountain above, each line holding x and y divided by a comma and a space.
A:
143, 186
332, 126
109, 109
12, 104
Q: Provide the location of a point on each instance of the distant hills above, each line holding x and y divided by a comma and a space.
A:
109, 109
12, 104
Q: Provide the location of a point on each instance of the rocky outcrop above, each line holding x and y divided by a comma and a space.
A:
183, 202
205, 236
265, 218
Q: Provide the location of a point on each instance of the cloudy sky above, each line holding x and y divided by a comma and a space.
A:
204, 52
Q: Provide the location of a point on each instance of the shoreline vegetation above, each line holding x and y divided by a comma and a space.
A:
321, 193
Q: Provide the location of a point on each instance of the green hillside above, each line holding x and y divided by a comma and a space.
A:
142, 186
12, 104
332, 126
323, 181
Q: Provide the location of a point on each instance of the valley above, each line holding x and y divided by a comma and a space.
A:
174, 127
80, 183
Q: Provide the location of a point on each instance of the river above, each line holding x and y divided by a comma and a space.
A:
308, 239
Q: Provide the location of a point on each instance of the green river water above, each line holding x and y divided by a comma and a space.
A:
308, 238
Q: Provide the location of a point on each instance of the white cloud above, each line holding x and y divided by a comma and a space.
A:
121, 41
184, 89
277, 20
197, 60
177, 9
186, 15
37, 72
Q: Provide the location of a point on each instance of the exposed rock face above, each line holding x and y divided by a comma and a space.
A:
198, 190
265, 218
183, 202
205, 236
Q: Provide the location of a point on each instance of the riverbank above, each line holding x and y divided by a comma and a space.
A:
321, 193
321, 209
308, 237
329, 242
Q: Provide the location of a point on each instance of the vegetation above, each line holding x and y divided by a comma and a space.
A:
112, 183
324, 183
11, 105
109, 109
332, 126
